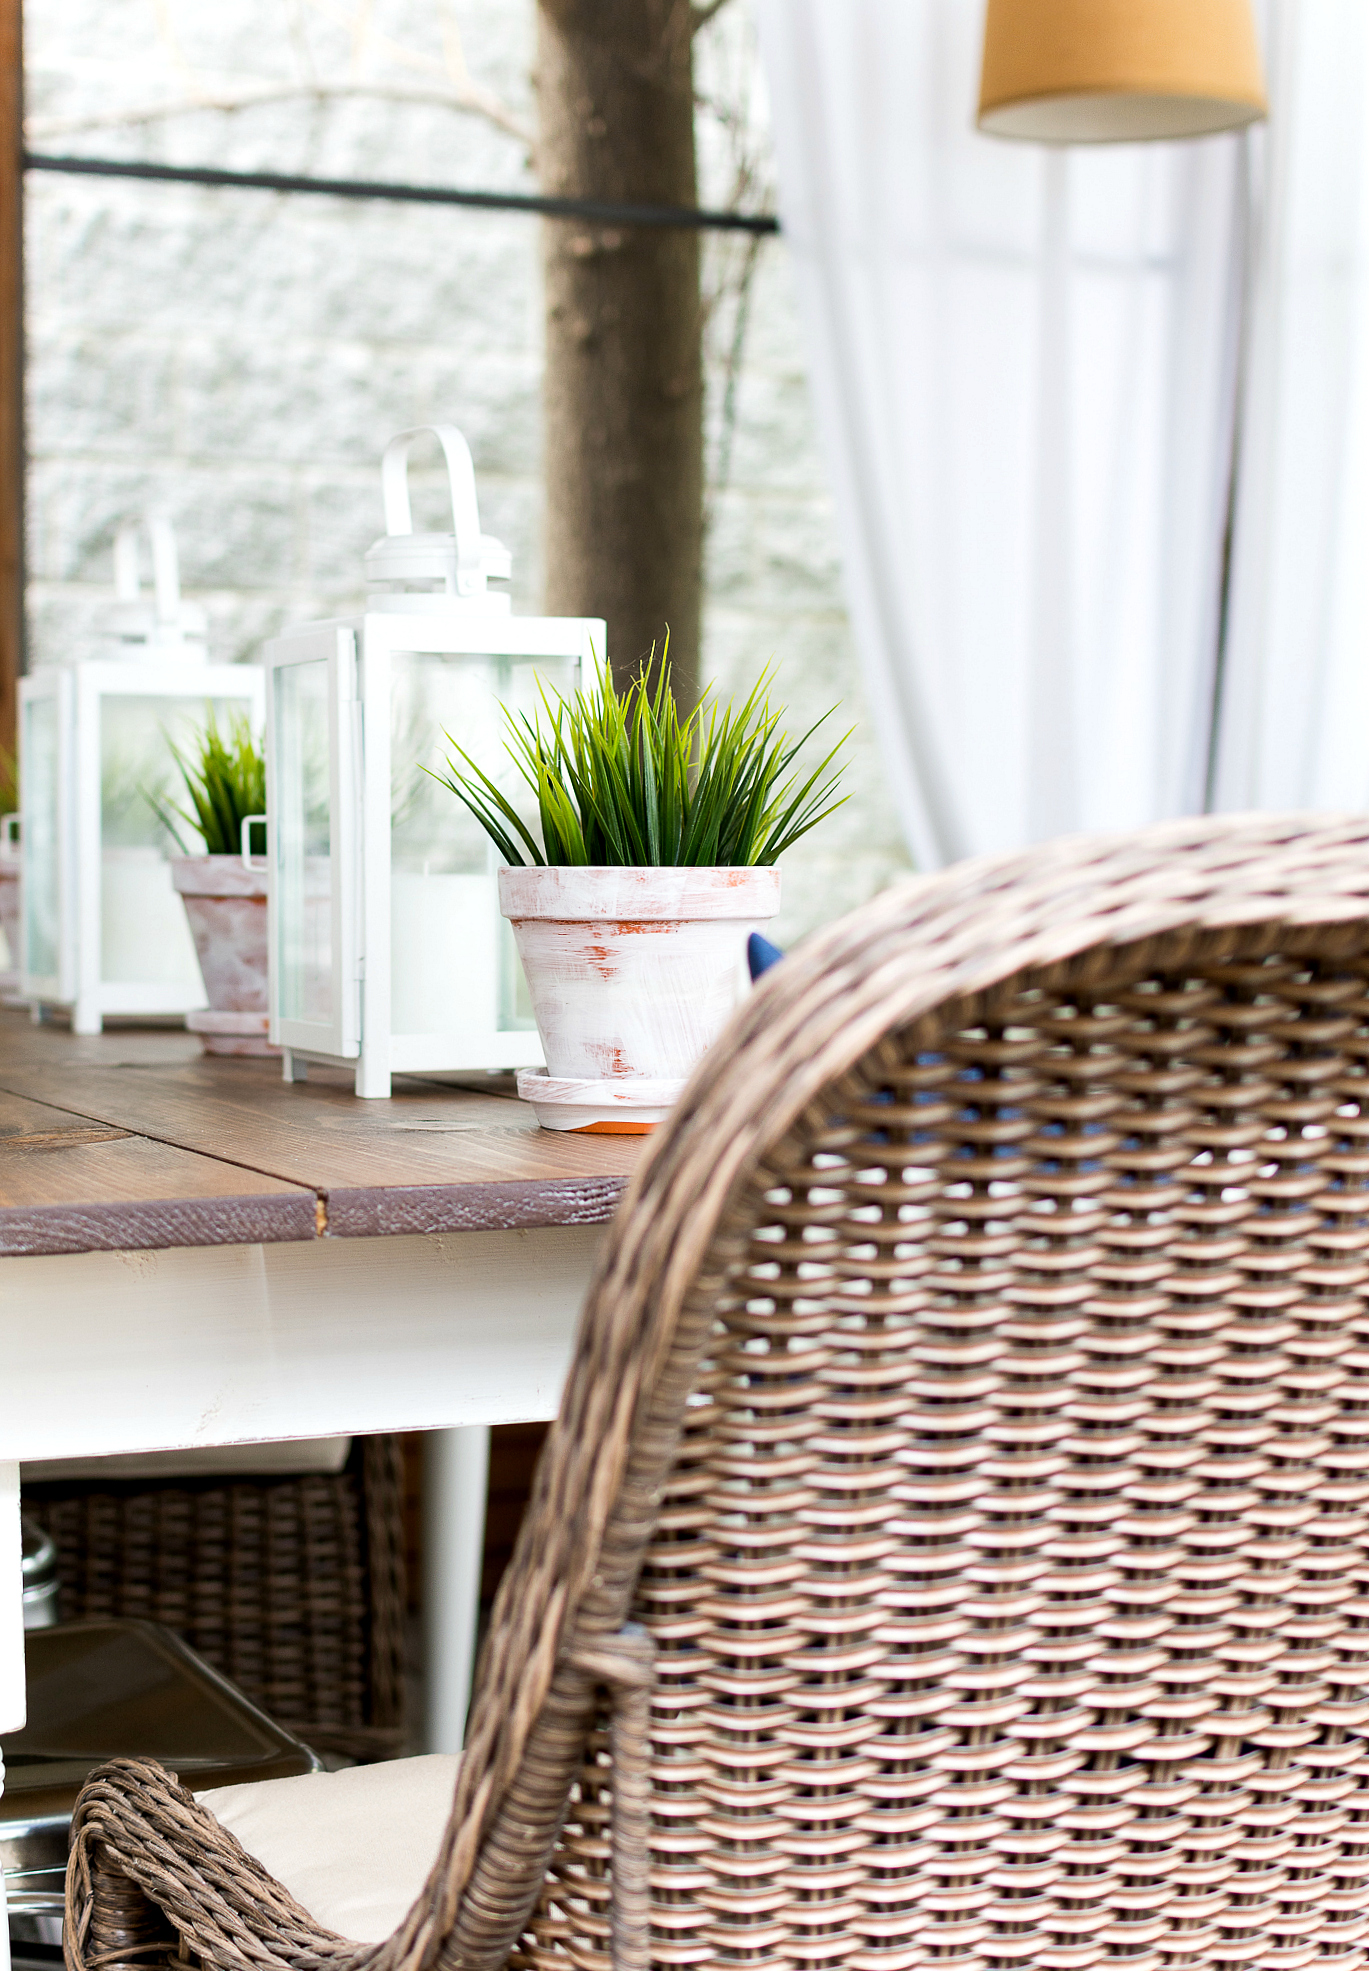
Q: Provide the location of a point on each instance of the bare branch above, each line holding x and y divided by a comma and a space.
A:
477, 102
450, 67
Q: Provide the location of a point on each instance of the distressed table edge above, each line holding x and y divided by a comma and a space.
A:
34, 1231
507, 1205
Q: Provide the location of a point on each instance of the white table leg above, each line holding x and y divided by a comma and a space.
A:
455, 1474
13, 1699
4, 1913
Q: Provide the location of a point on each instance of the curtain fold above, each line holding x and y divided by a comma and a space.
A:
1024, 366
1294, 725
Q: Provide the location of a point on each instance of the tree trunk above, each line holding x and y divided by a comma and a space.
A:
11, 364
624, 375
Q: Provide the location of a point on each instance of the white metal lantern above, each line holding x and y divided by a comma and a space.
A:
102, 929
388, 952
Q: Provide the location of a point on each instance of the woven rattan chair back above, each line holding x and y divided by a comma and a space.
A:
952, 1549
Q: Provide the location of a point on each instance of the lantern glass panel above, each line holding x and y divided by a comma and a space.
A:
42, 889
144, 936
452, 958
303, 853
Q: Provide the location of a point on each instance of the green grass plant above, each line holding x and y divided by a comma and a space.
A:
621, 778
225, 778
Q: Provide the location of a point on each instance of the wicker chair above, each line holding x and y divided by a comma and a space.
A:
291, 1585
953, 1546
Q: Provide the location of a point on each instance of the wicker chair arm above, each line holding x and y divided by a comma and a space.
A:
626, 1665
148, 1863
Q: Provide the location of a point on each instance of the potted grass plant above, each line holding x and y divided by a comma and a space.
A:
224, 893
651, 863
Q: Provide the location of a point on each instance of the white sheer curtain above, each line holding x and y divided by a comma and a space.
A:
1294, 728
1024, 366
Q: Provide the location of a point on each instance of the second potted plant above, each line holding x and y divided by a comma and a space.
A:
659, 836
223, 892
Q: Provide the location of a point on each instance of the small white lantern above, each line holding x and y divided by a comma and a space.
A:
102, 929
388, 952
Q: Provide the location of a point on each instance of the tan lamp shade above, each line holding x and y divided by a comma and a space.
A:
1118, 71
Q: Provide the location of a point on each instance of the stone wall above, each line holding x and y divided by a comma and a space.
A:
239, 358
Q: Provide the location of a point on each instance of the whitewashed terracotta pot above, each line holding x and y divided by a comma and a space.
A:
225, 901
632, 973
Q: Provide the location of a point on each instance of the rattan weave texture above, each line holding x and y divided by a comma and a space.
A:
972, 1407
293, 1586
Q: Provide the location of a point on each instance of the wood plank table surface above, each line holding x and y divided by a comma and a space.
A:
134, 1139
194, 1254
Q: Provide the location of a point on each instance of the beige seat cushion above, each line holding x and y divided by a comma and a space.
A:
353, 1847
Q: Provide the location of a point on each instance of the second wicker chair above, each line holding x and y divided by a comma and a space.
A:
291, 1585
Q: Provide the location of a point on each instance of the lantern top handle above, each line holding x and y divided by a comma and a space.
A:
160, 625
460, 563
166, 567
394, 486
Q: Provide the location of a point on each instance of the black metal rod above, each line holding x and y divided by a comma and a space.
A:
598, 211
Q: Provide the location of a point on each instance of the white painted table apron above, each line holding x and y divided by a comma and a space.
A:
106, 1352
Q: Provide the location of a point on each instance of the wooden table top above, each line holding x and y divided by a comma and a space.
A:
137, 1139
